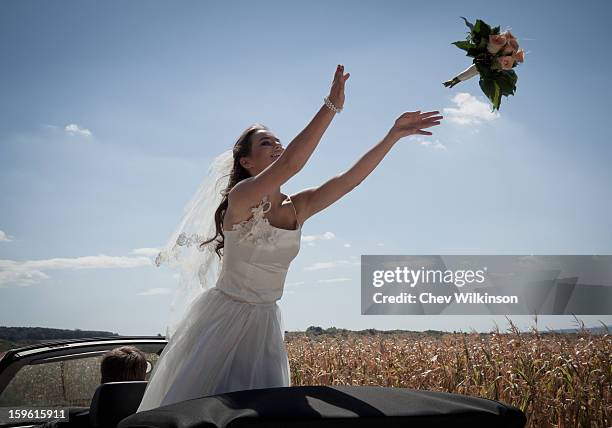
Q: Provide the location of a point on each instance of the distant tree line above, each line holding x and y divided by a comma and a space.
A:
25, 334
316, 331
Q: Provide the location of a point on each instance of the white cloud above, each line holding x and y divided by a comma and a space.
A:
155, 291
4, 237
152, 252
347, 245
21, 277
89, 262
436, 145
32, 271
331, 280
294, 284
469, 110
329, 265
74, 129
322, 237
321, 265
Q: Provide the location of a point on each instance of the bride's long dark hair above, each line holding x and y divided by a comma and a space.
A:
241, 148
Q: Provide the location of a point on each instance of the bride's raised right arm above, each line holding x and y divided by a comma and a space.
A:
303, 145
298, 151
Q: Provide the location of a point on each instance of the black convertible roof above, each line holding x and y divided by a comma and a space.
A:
331, 406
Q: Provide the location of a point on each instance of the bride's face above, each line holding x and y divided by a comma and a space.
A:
265, 149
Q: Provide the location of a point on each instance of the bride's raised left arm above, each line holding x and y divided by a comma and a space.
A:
312, 200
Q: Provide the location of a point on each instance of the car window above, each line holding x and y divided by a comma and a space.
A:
66, 383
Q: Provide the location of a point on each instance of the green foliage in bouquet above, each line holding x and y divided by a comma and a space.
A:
494, 82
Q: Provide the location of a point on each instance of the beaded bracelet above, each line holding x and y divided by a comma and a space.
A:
331, 106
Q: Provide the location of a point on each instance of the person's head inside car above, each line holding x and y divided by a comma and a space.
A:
121, 364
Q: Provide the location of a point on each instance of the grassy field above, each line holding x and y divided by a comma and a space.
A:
558, 380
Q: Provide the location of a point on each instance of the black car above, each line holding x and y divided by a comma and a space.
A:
66, 375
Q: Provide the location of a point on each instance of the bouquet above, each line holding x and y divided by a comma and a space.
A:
495, 55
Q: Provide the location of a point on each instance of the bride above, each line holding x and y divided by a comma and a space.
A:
231, 337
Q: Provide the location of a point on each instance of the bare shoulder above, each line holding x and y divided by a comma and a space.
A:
236, 196
300, 202
237, 207
301, 198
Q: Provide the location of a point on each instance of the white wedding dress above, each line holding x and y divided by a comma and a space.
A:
232, 336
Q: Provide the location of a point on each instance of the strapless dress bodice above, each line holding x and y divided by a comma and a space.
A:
256, 258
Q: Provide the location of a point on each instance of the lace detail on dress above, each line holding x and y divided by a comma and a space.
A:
183, 240
257, 229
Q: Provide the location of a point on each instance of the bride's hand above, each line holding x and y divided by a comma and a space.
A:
413, 122
336, 93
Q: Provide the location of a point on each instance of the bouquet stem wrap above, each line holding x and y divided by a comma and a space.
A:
466, 74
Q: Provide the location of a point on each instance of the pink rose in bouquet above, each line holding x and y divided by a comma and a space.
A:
511, 47
519, 55
496, 42
508, 35
505, 62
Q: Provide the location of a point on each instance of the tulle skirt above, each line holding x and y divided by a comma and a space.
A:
220, 345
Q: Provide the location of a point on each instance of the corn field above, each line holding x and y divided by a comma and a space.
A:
558, 380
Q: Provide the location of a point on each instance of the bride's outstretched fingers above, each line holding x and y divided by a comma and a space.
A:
336, 93
413, 122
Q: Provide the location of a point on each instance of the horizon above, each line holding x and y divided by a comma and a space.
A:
507, 330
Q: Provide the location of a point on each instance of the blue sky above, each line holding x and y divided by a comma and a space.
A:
110, 113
